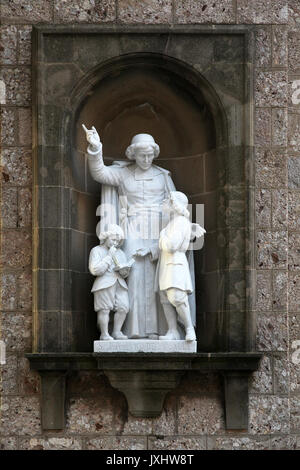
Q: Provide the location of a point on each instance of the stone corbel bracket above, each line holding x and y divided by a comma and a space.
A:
145, 379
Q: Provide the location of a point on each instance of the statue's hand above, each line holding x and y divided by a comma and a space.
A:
142, 252
112, 251
93, 138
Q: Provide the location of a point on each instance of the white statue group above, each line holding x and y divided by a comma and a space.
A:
144, 238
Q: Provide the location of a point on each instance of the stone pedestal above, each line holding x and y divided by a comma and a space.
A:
145, 346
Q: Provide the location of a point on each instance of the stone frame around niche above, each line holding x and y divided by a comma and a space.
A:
222, 58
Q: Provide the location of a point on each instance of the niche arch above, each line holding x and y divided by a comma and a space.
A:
208, 64
165, 97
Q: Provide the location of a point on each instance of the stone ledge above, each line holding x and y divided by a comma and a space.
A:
145, 379
68, 361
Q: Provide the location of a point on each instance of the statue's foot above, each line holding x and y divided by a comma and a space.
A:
106, 337
190, 334
171, 335
119, 335
153, 336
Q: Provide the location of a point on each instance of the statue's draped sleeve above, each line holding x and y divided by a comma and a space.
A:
110, 175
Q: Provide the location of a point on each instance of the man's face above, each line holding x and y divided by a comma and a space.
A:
144, 158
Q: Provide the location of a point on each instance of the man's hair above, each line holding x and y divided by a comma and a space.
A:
130, 152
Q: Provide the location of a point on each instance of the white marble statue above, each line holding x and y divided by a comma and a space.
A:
141, 188
109, 263
173, 279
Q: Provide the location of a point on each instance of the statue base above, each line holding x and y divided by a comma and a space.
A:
145, 346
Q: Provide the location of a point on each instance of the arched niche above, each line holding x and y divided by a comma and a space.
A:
203, 73
155, 94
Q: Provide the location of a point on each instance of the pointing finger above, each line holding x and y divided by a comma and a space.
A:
84, 128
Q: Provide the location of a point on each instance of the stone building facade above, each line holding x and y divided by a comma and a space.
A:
193, 416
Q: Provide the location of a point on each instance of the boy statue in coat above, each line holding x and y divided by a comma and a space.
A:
173, 274
109, 263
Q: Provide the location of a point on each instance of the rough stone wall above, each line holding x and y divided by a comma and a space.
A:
193, 415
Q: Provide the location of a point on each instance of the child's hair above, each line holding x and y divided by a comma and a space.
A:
112, 229
179, 202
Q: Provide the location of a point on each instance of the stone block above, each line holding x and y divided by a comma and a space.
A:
294, 292
51, 443
293, 164
25, 126
9, 382
203, 11
294, 131
8, 45
51, 215
271, 168
16, 166
280, 282
9, 443
294, 210
263, 208
295, 414
14, 11
200, 383
263, 123
238, 443
200, 415
269, 414
135, 426
117, 443
283, 443
145, 11
271, 88
281, 374
16, 248
264, 290
177, 443
165, 424
88, 383
294, 15
25, 290
294, 369
8, 291
17, 331
272, 249
18, 85
20, 415
24, 38
262, 12
261, 381
9, 204
53, 248
279, 209
83, 220
58, 81
294, 251
294, 54
263, 46
279, 127
280, 46
24, 207
272, 332
84, 11
87, 415
28, 380
8, 126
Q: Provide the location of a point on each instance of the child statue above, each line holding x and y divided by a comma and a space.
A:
173, 274
109, 263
